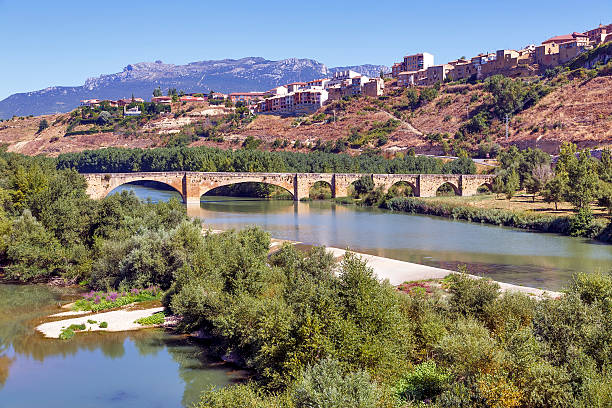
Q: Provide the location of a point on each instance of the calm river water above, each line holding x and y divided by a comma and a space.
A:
148, 368
508, 255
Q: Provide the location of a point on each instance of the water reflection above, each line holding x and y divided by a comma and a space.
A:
129, 369
505, 254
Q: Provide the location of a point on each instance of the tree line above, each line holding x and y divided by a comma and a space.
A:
248, 160
576, 177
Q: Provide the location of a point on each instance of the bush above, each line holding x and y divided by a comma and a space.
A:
325, 385
243, 395
43, 125
154, 319
592, 287
525, 220
547, 386
581, 223
470, 296
364, 185
468, 349
424, 383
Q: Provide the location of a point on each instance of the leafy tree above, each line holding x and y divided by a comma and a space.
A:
324, 385
582, 180
513, 95
555, 190
364, 185
512, 184
104, 118
541, 174
157, 92
604, 195
43, 125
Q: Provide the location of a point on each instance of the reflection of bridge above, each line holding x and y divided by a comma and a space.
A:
192, 185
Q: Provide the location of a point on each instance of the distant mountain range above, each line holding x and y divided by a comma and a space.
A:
246, 74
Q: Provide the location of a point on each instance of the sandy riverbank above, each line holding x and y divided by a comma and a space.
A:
117, 320
398, 272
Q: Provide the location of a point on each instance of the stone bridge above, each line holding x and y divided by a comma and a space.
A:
192, 185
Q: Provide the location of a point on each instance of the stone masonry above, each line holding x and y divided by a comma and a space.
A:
192, 185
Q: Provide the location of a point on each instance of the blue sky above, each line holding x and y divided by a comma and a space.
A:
46, 43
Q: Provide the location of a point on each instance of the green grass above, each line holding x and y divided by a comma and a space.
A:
157, 318
68, 332
97, 301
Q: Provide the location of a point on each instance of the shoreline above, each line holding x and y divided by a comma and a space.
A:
398, 272
123, 319
394, 271
523, 220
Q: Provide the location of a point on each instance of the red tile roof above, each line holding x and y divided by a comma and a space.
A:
564, 38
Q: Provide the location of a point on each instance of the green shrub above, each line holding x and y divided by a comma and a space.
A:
468, 349
525, 220
470, 296
547, 386
592, 287
66, 334
103, 325
581, 223
424, 383
247, 395
325, 385
155, 319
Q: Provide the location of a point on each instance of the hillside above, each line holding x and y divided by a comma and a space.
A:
246, 74
572, 106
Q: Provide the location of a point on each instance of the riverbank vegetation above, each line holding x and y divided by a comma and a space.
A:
577, 180
315, 333
98, 301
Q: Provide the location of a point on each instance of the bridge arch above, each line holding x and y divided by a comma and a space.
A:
400, 186
99, 185
244, 187
322, 190
159, 185
448, 186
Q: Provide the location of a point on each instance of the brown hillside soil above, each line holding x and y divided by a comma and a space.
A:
578, 111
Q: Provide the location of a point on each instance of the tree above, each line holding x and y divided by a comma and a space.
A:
582, 180
541, 174
157, 92
512, 184
104, 119
364, 185
554, 190
604, 195
605, 165
43, 125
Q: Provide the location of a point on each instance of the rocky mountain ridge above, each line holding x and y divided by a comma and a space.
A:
228, 75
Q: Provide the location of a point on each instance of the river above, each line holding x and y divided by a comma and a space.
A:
146, 368
154, 368
509, 255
